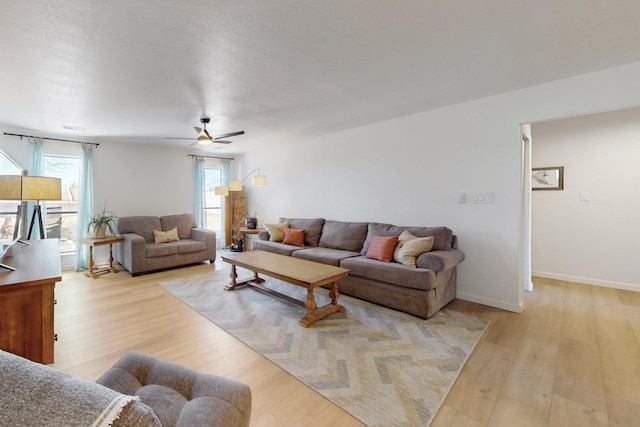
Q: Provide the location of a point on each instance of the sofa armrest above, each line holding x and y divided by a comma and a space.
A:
208, 237
204, 235
263, 235
131, 253
440, 260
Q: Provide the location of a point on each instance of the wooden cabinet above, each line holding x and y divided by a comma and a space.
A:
234, 214
27, 300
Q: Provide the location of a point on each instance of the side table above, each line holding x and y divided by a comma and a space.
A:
243, 231
94, 241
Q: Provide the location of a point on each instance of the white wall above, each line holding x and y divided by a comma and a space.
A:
408, 171
594, 241
140, 180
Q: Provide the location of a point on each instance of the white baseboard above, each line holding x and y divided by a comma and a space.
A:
588, 281
503, 305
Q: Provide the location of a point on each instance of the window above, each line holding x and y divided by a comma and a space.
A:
8, 208
62, 217
212, 203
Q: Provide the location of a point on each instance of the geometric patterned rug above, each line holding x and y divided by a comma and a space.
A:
384, 367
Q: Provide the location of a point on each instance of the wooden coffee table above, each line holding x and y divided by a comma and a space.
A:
307, 274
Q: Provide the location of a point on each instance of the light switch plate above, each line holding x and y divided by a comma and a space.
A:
482, 198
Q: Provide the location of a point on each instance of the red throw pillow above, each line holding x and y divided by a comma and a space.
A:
381, 248
293, 236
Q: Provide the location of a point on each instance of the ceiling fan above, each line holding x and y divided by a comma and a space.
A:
204, 138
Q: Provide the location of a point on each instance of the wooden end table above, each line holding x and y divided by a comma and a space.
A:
307, 274
95, 241
243, 231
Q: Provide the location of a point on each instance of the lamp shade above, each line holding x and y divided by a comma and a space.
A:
235, 186
10, 187
41, 188
259, 180
221, 191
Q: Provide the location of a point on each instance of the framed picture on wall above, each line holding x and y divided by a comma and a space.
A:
551, 178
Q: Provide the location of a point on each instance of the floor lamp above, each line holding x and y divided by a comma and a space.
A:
39, 189
11, 189
235, 186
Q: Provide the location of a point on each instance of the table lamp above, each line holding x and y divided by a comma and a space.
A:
40, 189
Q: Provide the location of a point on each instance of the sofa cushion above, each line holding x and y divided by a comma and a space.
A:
324, 255
163, 249
187, 246
382, 248
410, 247
140, 225
312, 228
276, 231
293, 236
442, 236
393, 273
348, 236
183, 222
275, 247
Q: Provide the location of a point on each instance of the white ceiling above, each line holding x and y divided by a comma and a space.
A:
141, 70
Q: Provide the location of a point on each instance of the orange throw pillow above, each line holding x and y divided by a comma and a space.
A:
293, 236
381, 248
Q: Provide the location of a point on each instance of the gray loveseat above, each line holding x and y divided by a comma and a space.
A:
139, 252
167, 395
420, 290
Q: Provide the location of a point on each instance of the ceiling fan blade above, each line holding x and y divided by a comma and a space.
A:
179, 138
197, 129
227, 135
221, 141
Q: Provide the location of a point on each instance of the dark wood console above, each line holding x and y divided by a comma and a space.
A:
27, 299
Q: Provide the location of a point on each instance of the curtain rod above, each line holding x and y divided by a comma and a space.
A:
51, 139
211, 157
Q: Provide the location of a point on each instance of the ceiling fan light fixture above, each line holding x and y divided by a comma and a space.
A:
204, 138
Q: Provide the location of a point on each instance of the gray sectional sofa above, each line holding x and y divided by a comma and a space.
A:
139, 253
420, 290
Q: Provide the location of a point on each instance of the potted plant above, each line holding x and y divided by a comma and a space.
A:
99, 223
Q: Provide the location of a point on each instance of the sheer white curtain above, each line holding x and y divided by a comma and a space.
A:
85, 204
223, 204
198, 192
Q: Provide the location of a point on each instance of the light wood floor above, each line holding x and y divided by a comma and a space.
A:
571, 359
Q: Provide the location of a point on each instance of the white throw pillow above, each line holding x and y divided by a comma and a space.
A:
410, 247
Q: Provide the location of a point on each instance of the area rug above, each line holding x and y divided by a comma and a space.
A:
384, 367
